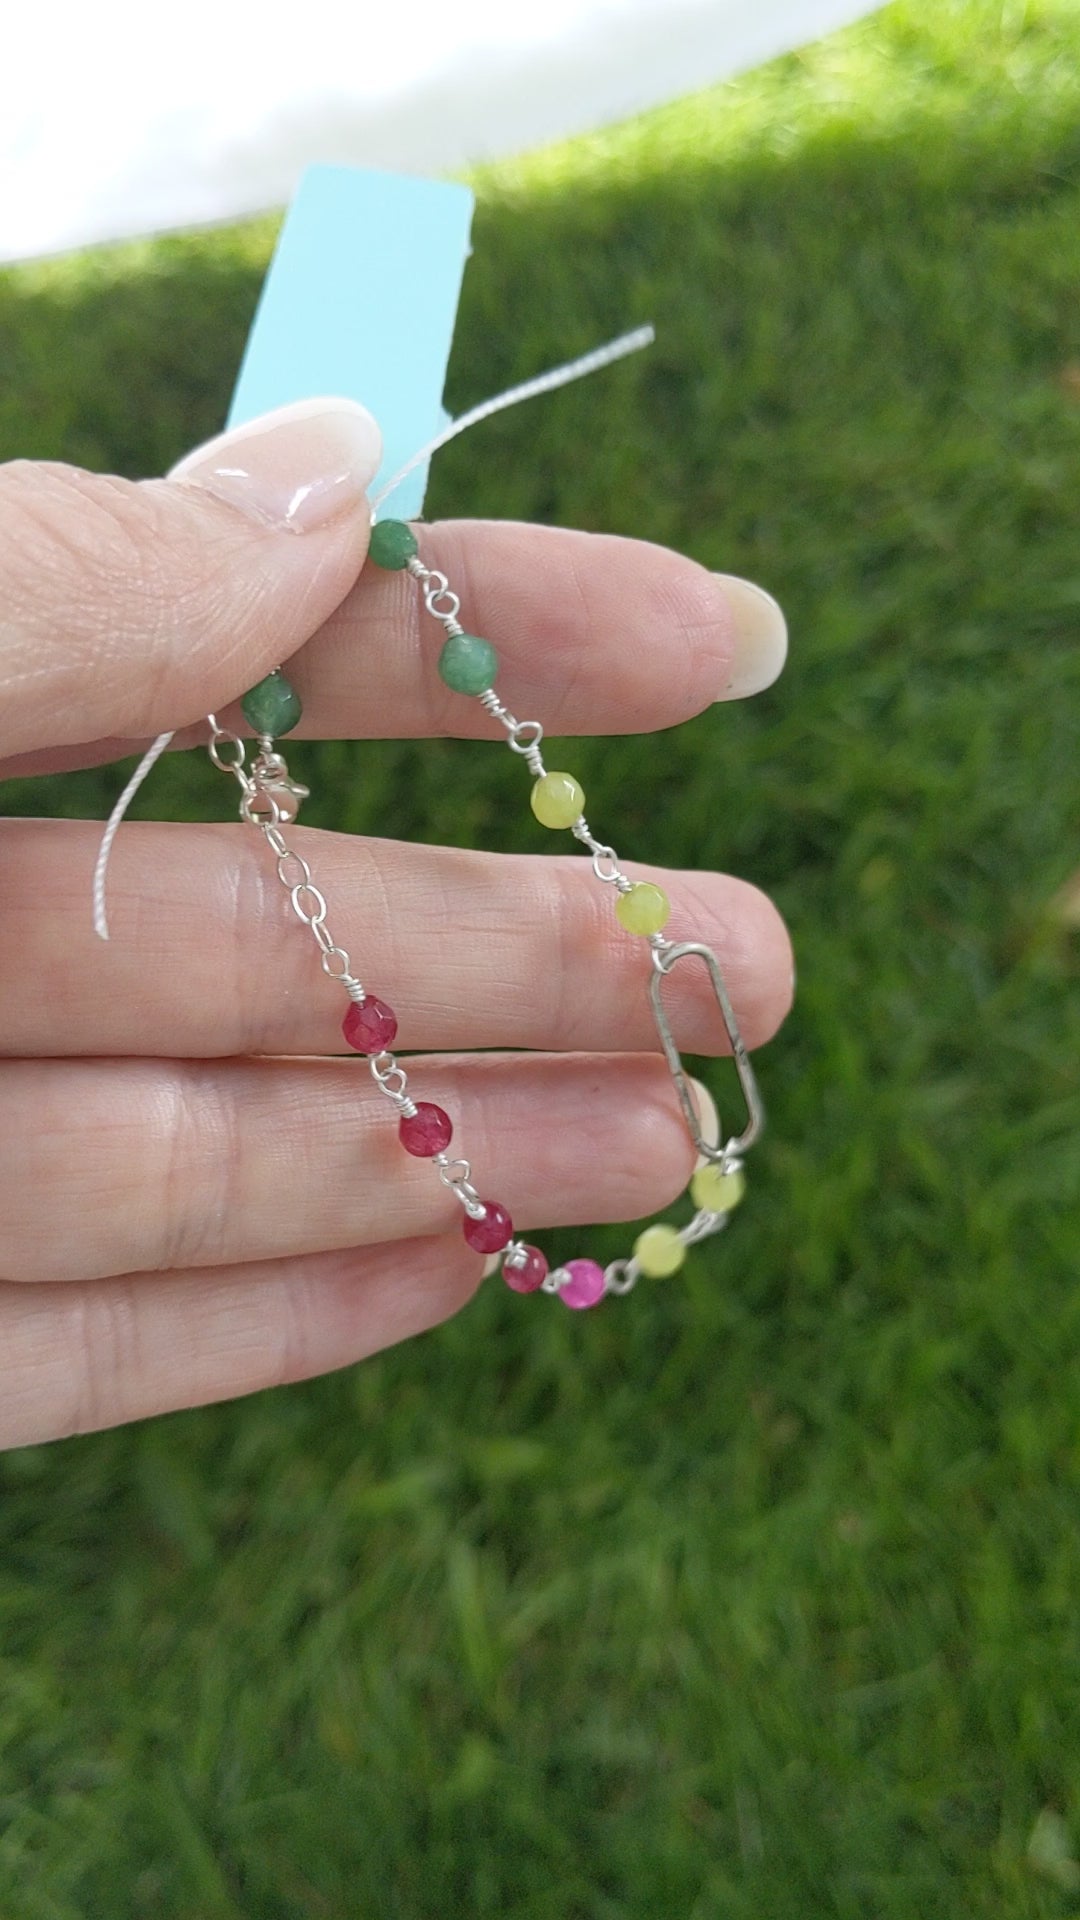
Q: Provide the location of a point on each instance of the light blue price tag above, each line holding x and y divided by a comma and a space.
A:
361, 299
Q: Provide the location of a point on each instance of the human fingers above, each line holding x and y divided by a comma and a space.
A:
471, 949
100, 1352
120, 1166
128, 607
594, 633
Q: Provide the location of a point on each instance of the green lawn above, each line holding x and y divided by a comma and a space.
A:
759, 1598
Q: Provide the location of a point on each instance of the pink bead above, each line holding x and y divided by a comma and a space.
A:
493, 1231
585, 1285
370, 1025
426, 1131
529, 1274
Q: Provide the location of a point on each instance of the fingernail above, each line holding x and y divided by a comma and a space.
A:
297, 468
761, 638
708, 1117
491, 1265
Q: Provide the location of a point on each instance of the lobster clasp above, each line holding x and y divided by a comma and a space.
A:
270, 776
664, 960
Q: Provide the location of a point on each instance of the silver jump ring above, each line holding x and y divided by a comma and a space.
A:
525, 735
311, 918
225, 739
300, 865
600, 855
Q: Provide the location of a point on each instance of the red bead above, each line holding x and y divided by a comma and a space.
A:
585, 1287
529, 1272
493, 1231
370, 1025
426, 1131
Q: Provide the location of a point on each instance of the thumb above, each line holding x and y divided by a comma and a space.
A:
128, 607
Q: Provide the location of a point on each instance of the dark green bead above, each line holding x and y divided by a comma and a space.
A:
392, 544
468, 664
272, 706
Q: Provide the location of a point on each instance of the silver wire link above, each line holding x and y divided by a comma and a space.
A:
391, 1078
439, 598
523, 736
621, 1276
605, 861
456, 1176
703, 1225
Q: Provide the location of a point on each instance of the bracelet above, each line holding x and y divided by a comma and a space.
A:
270, 799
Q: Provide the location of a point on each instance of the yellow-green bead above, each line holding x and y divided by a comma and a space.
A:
644, 909
557, 800
659, 1251
716, 1191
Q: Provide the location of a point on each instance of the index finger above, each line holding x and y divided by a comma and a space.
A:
595, 634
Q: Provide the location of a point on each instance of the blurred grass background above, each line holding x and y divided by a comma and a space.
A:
759, 1596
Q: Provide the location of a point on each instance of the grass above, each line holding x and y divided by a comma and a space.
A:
762, 1596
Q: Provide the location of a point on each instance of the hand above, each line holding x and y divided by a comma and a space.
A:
196, 1201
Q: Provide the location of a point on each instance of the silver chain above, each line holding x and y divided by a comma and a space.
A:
260, 807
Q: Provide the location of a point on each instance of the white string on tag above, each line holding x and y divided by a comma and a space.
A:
527, 390
542, 383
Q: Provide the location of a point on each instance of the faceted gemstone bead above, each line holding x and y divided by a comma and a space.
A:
370, 1025
716, 1191
529, 1274
557, 800
585, 1286
272, 706
644, 909
492, 1232
392, 544
425, 1132
468, 664
659, 1251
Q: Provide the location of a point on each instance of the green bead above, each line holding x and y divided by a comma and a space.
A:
468, 664
715, 1191
644, 909
272, 706
392, 544
659, 1251
557, 800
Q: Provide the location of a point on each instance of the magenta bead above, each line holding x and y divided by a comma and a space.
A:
370, 1025
530, 1274
585, 1286
492, 1232
425, 1132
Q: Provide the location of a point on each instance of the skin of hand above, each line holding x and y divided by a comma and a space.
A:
197, 1197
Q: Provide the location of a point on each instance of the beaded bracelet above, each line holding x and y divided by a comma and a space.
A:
270, 799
